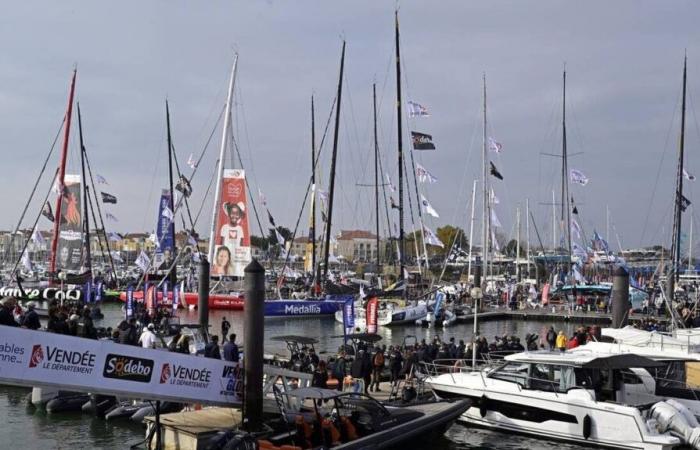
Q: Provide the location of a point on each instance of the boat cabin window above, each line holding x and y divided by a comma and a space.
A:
552, 378
514, 372
629, 377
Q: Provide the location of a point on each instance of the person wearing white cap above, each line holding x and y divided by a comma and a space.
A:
148, 337
231, 233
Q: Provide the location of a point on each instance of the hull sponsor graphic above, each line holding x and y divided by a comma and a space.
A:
42, 293
165, 246
70, 235
121, 367
32, 358
232, 233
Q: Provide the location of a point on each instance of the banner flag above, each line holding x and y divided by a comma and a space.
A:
70, 235
372, 315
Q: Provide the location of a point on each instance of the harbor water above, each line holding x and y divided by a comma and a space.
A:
28, 428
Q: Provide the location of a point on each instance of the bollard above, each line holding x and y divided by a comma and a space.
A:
203, 300
254, 335
620, 297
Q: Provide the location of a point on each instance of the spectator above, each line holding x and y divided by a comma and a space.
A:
211, 350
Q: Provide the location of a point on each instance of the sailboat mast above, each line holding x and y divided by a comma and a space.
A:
565, 211
517, 247
312, 228
402, 243
331, 191
61, 177
471, 233
690, 243
527, 233
486, 197
376, 174
173, 273
220, 163
680, 200
86, 217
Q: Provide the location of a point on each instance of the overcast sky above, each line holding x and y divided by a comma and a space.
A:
623, 59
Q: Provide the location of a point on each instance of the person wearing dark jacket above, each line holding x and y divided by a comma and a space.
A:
231, 349
551, 338
86, 327
356, 366
31, 318
6, 307
211, 350
367, 371
395, 363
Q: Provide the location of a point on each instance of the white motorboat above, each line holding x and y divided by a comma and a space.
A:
571, 396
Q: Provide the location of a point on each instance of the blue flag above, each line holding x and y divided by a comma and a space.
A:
129, 302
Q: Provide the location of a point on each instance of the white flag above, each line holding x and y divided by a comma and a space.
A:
688, 176
26, 262
494, 241
431, 238
494, 220
494, 199
495, 146
323, 195
424, 176
143, 261
362, 292
191, 162
38, 238
280, 239
417, 110
428, 207
262, 197
576, 228
101, 179
117, 256
578, 177
168, 214
388, 181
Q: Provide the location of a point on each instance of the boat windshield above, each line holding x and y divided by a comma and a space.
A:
547, 377
514, 372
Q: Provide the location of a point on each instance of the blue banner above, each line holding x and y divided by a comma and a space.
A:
439, 297
98, 291
87, 291
129, 302
349, 314
165, 290
176, 298
165, 244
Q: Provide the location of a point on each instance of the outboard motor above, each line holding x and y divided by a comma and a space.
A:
673, 416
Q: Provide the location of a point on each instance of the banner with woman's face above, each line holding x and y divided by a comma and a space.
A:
70, 236
232, 229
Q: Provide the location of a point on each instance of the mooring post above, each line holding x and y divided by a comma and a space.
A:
203, 300
254, 333
620, 297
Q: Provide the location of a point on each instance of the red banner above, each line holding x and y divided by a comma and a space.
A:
232, 252
372, 314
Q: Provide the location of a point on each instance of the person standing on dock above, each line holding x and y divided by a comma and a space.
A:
6, 317
31, 318
148, 337
211, 350
377, 369
561, 342
225, 326
231, 349
551, 338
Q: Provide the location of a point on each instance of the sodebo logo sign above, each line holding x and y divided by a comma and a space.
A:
129, 368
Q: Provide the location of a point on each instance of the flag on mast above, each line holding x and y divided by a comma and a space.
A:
495, 146
578, 177
428, 207
424, 176
417, 110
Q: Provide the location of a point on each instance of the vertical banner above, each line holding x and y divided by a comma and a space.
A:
165, 289
165, 244
349, 315
308, 257
87, 291
439, 297
70, 235
232, 236
98, 291
129, 302
371, 315
176, 297
149, 292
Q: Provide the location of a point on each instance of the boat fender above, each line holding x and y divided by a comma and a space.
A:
482, 406
587, 426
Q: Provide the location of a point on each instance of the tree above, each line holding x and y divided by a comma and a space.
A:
260, 242
449, 234
272, 236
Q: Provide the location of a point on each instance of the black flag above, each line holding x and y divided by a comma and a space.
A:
495, 171
184, 186
108, 198
422, 141
271, 219
47, 212
684, 203
393, 203
575, 211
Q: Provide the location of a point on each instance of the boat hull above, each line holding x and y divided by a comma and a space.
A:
302, 308
216, 301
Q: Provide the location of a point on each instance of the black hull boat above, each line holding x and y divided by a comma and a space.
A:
66, 402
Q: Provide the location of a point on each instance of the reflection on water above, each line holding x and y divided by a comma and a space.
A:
28, 428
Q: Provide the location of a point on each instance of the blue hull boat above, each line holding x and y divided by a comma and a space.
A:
304, 308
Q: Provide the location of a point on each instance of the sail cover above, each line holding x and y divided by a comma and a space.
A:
70, 235
165, 243
232, 251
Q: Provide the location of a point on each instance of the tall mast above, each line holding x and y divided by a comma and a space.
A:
173, 273
527, 233
62, 176
86, 217
402, 243
376, 174
517, 247
565, 211
676, 245
327, 246
220, 163
312, 228
471, 233
486, 197
554, 224
690, 243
